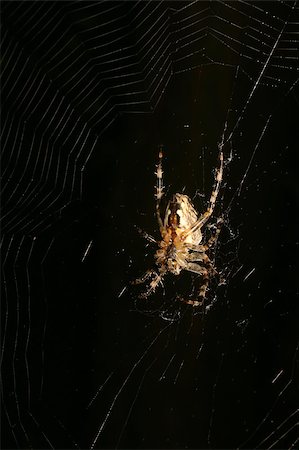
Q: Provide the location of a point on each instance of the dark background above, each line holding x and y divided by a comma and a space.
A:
89, 92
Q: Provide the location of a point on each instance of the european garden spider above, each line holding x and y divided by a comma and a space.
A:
181, 247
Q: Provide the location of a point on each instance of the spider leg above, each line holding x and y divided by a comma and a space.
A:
202, 291
146, 236
206, 273
197, 256
203, 258
206, 215
194, 303
144, 277
152, 286
200, 270
159, 188
214, 238
157, 278
196, 268
203, 288
196, 248
198, 252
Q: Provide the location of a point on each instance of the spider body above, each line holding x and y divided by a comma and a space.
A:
173, 248
181, 246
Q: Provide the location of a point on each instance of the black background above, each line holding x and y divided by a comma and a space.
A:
89, 178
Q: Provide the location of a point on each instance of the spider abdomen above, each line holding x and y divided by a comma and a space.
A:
181, 215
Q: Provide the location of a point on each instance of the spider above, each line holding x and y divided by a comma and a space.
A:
181, 246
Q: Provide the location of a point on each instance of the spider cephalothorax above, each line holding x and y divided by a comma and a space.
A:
181, 247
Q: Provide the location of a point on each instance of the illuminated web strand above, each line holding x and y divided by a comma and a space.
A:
136, 364
261, 444
281, 393
258, 80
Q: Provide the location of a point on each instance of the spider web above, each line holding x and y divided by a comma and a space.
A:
89, 91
